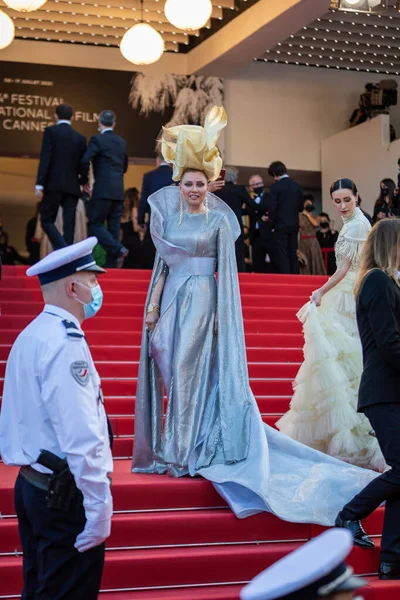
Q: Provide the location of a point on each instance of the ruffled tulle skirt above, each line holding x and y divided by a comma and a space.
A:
323, 411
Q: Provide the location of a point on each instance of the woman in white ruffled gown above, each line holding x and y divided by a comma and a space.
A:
323, 411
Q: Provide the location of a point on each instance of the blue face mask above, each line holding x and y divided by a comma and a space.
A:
95, 304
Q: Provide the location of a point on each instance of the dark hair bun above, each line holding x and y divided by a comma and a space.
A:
343, 184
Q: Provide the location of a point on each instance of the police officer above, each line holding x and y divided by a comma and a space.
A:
52, 401
316, 570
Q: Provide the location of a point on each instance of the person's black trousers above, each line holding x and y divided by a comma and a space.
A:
385, 420
286, 244
110, 212
239, 251
262, 245
48, 214
53, 569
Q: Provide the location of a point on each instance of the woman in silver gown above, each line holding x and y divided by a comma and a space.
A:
194, 347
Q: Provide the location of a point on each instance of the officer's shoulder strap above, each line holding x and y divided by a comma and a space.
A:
72, 330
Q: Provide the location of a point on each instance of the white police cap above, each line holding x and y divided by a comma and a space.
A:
66, 261
315, 570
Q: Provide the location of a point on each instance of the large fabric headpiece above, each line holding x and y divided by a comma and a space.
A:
194, 147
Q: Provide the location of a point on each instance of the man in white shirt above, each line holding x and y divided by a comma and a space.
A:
52, 401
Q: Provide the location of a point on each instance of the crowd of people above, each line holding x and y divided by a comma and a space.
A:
281, 231
329, 462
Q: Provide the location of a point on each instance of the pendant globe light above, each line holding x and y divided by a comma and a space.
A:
142, 44
7, 30
25, 5
189, 15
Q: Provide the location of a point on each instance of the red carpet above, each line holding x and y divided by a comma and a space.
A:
176, 539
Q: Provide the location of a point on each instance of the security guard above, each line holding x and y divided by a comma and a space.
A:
316, 570
54, 426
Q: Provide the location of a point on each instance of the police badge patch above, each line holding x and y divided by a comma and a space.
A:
80, 372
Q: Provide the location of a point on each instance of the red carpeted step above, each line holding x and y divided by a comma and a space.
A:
108, 369
256, 355
220, 592
268, 340
381, 590
127, 387
124, 426
144, 530
125, 405
133, 325
280, 308
132, 353
180, 566
132, 491
170, 567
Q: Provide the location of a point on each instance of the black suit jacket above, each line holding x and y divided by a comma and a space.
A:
107, 153
378, 318
285, 204
256, 212
60, 166
152, 182
235, 196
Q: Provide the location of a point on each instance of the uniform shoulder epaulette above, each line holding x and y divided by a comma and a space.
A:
72, 330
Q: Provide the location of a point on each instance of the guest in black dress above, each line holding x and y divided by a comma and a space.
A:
378, 318
130, 230
327, 237
387, 204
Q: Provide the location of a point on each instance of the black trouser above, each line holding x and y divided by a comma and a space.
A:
53, 569
48, 214
385, 420
262, 245
286, 244
239, 250
110, 212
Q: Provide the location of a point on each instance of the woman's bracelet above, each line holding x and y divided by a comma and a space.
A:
153, 308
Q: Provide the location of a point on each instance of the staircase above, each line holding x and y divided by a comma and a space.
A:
176, 538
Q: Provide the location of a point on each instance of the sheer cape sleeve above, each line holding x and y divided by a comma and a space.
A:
234, 390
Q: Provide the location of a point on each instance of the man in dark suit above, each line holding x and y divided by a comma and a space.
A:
285, 203
261, 237
152, 182
60, 176
378, 319
236, 196
107, 153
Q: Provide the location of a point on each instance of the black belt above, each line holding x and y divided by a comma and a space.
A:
39, 480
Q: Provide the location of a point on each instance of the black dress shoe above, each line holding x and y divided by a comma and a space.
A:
361, 539
389, 570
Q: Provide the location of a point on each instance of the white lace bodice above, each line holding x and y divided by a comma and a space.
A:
351, 239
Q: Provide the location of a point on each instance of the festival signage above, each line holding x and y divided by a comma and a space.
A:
29, 94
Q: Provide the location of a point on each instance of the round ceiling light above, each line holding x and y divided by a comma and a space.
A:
7, 30
142, 45
25, 5
189, 15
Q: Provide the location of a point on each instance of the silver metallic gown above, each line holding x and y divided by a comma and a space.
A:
213, 427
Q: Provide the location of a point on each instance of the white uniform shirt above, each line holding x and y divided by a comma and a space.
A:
52, 401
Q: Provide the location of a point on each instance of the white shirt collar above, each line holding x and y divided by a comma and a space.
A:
164, 164
106, 129
284, 176
64, 314
63, 121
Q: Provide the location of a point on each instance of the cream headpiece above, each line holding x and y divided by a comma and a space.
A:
194, 147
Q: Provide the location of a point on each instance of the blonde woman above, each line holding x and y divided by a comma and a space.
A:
378, 316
